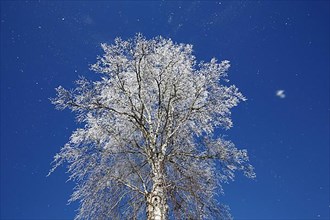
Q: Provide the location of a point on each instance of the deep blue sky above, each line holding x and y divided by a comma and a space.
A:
276, 45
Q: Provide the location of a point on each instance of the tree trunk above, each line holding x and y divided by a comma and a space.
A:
157, 207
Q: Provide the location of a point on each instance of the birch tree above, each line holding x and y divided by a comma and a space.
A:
148, 147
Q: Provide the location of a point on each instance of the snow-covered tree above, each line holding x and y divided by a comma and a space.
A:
148, 147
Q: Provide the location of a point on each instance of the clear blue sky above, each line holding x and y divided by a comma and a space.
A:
275, 45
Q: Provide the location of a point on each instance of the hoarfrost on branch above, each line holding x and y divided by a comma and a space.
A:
148, 148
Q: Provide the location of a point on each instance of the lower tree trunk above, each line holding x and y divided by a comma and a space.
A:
157, 207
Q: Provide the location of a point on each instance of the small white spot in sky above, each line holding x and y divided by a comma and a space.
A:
170, 18
280, 93
63, 19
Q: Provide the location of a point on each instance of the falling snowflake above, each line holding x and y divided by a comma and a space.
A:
280, 93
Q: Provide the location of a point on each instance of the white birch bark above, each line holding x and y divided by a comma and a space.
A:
157, 208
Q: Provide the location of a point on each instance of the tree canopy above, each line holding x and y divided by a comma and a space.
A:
148, 146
